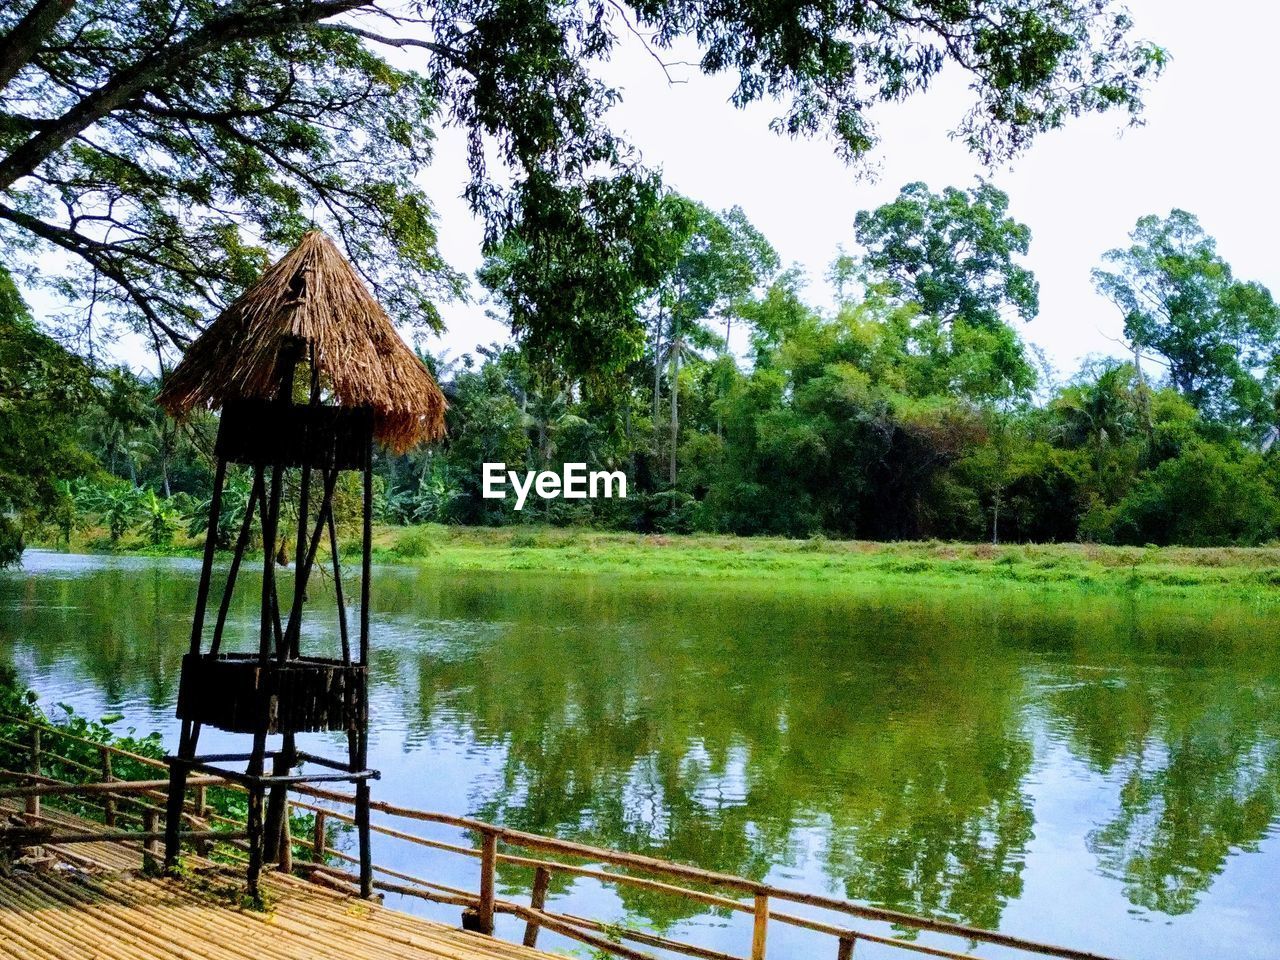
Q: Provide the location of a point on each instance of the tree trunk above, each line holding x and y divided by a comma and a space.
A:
657, 379
675, 403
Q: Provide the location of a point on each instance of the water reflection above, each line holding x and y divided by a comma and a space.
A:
883, 745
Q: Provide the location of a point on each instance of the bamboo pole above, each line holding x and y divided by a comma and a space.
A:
759, 927
286, 842
319, 838
109, 802
33, 799
149, 824
256, 496
488, 870
537, 900
111, 786
202, 815
210, 545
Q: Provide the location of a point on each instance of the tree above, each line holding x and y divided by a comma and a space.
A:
1180, 300
166, 146
1100, 414
42, 389
954, 255
721, 262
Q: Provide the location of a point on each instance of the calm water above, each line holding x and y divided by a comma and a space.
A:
1095, 772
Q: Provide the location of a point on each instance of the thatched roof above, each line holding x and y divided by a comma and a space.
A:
312, 296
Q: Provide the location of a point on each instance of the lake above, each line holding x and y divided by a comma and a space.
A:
1091, 770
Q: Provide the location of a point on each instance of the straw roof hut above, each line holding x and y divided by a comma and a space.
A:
311, 303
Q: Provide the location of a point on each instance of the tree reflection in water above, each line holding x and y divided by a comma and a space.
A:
879, 744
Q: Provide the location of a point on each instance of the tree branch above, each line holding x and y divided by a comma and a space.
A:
132, 81
20, 44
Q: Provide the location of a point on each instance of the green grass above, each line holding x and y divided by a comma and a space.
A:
1240, 572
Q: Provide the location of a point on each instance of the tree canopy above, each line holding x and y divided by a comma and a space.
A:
953, 256
164, 146
42, 392
1182, 302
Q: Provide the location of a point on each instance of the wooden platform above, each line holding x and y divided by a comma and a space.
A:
97, 905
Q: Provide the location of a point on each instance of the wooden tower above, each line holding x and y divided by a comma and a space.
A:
308, 372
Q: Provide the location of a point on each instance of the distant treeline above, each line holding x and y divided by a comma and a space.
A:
907, 408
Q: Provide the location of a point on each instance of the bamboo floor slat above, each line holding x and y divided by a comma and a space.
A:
100, 856
101, 908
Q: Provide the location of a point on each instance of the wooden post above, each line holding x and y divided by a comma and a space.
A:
256, 496
33, 802
203, 846
760, 927
480, 920
361, 742
364, 834
286, 841
300, 569
253, 821
149, 846
845, 952
541, 880
319, 839
108, 803
366, 557
488, 869
210, 546
270, 522
179, 768
278, 800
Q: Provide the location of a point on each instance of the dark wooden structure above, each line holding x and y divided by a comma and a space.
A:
308, 372
278, 689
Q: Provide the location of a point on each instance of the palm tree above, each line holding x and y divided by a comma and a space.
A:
1102, 413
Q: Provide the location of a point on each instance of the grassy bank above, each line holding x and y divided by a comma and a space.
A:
1242, 572
1252, 572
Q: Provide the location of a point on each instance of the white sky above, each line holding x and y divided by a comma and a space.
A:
1208, 146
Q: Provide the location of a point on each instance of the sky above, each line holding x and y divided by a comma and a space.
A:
1208, 146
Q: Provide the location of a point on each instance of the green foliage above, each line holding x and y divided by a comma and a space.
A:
1205, 496
953, 256
899, 412
1181, 302
160, 518
42, 391
198, 137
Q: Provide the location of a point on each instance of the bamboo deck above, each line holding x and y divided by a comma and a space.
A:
96, 905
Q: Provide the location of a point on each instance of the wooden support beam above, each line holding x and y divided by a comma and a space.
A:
319, 840
210, 546
537, 900
119, 787
149, 846
33, 799
256, 496
760, 927
109, 803
480, 920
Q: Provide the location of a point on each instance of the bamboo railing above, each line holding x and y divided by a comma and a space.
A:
497, 845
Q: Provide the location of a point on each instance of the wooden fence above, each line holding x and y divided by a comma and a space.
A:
497, 845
